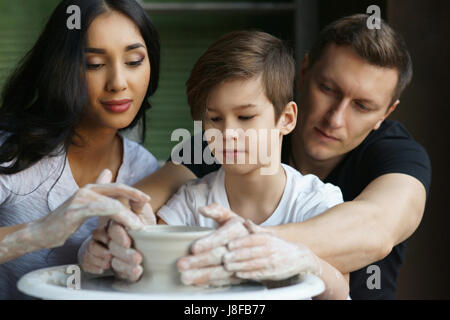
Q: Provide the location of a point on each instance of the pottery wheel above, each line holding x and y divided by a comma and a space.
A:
51, 283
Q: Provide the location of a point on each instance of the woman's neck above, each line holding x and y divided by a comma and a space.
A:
254, 196
92, 151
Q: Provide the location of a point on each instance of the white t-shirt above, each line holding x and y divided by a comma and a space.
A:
304, 197
33, 193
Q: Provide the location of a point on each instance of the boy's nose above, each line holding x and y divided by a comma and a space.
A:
231, 134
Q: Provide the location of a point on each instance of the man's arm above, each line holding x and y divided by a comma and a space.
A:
356, 233
164, 183
336, 284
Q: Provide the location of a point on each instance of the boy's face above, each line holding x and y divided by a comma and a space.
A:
343, 98
241, 112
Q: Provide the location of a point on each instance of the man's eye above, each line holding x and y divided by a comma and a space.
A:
245, 117
215, 119
94, 66
325, 88
362, 107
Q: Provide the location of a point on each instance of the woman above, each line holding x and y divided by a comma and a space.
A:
60, 118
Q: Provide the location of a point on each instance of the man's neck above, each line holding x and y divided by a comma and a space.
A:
300, 160
255, 196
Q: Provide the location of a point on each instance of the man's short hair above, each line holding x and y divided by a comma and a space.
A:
381, 47
243, 55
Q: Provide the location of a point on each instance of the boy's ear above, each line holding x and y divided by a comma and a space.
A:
288, 118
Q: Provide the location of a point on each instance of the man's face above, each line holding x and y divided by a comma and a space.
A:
342, 99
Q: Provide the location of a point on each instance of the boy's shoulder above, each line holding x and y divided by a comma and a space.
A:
207, 181
306, 183
308, 196
308, 186
206, 189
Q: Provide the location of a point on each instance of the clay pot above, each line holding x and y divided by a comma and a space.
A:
161, 247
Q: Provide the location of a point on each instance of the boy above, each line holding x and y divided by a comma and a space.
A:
242, 90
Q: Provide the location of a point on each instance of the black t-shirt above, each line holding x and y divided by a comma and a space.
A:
390, 149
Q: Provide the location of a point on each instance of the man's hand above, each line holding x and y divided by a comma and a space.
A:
263, 256
239, 250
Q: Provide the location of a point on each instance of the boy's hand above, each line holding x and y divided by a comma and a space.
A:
231, 226
204, 266
126, 261
239, 250
110, 243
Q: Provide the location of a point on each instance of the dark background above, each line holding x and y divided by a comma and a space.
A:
424, 107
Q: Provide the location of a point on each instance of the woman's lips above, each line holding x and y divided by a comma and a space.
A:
117, 106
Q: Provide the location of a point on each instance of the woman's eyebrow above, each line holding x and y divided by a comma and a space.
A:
134, 46
95, 50
127, 48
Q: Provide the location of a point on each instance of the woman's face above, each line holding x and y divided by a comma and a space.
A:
117, 71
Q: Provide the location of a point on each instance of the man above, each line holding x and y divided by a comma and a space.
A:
349, 83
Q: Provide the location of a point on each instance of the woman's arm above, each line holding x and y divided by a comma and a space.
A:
110, 246
54, 229
5, 231
357, 233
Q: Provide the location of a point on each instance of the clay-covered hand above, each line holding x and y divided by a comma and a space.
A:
96, 257
126, 261
264, 256
55, 228
204, 266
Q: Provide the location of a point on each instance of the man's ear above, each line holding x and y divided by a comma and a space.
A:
388, 112
288, 118
302, 71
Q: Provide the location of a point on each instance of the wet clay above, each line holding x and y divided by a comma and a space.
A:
161, 246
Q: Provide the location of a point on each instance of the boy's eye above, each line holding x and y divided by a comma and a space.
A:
215, 119
245, 117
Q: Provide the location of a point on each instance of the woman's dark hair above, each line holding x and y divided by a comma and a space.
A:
45, 96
